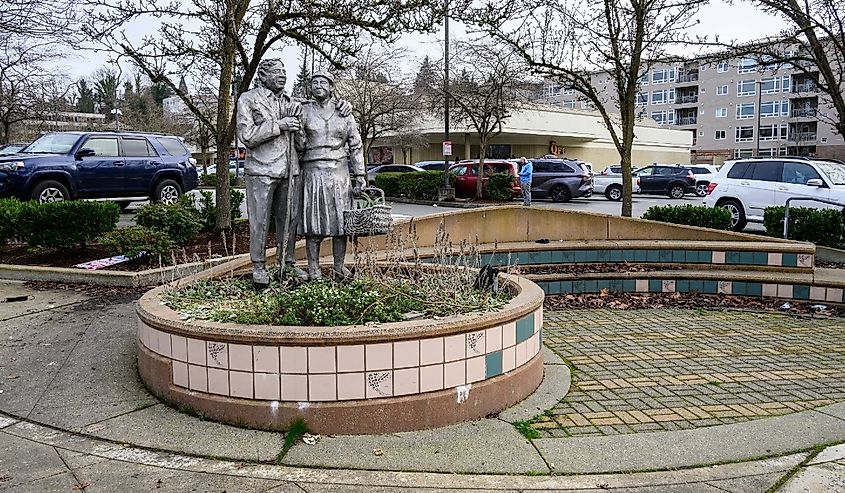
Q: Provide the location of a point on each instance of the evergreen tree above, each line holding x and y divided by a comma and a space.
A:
85, 103
426, 78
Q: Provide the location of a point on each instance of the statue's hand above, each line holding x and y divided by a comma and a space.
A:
289, 124
360, 183
344, 107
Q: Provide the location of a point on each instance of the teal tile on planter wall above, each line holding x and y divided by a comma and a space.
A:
629, 285
565, 286
655, 285
732, 258
746, 258
591, 255
545, 257
653, 255
557, 256
665, 255
739, 288
525, 328
679, 256
579, 256
629, 255
753, 289
705, 256
602, 255
591, 286
640, 255
761, 258
790, 260
534, 257
567, 256
615, 255
682, 286
578, 287
544, 286
493, 361
616, 285
801, 292
710, 287
697, 286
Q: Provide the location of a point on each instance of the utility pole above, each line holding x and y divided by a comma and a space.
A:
446, 192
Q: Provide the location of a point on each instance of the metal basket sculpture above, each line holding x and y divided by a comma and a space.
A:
369, 214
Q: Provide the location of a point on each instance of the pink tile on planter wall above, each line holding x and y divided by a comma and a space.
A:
379, 384
534, 348
431, 351
196, 352
198, 378
817, 293
475, 343
775, 258
406, 381
179, 348
508, 359
538, 319
218, 355
180, 374
454, 374
641, 285
379, 356
431, 378
455, 347
322, 387
294, 387
784, 290
522, 353
265, 359
322, 360
770, 290
834, 294
152, 339
241, 384
218, 381
267, 386
476, 369
164, 344
350, 386
509, 334
350, 358
493, 339
406, 354
240, 357
293, 360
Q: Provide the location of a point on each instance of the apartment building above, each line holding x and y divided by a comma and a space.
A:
739, 108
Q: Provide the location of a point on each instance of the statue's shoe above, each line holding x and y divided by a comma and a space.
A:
260, 278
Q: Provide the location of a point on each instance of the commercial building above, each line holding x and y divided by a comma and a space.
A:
737, 108
540, 130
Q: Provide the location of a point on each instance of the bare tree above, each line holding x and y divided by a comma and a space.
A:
570, 40
381, 103
38, 19
491, 86
205, 40
814, 45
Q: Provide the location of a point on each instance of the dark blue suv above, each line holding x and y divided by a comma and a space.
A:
99, 165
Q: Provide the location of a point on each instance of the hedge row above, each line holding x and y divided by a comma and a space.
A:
690, 215
421, 185
820, 226
56, 224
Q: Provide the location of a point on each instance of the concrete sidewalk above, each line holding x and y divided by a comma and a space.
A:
73, 413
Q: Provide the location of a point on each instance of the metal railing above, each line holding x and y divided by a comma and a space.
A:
805, 87
803, 136
691, 98
804, 113
809, 199
686, 120
690, 77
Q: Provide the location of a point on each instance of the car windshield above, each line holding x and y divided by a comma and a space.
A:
834, 171
52, 144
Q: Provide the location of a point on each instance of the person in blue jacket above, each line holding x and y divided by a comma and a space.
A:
526, 173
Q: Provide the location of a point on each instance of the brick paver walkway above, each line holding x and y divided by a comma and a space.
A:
671, 369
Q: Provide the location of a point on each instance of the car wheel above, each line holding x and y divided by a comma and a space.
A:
613, 193
738, 221
49, 191
167, 192
701, 189
677, 192
588, 194
560, 194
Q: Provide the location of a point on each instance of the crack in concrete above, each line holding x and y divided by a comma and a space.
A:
146, 406
79, 484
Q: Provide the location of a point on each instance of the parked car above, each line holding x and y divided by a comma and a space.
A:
560, 180
671, 179
236, 167
703, 175
389, 168
432, 165
9, 149
113, 165
466, 175
611, 185
745, 187
615, 170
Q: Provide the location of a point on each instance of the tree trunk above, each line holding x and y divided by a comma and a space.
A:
479, 184
223, 139
627, 168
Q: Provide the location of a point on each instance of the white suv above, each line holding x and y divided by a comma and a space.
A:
745, 187
703, 176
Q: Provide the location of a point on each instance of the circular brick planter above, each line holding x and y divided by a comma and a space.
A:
345, 380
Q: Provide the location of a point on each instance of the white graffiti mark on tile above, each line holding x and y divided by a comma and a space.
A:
463, 392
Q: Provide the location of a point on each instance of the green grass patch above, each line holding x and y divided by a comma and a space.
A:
295, 432
526, 430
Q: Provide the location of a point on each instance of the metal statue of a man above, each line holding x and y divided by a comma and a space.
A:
267, 123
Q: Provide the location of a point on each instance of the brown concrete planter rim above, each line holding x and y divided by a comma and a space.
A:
151, 311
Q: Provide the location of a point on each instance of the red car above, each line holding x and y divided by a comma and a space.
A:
466, 175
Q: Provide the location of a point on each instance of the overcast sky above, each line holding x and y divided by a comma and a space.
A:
740, 22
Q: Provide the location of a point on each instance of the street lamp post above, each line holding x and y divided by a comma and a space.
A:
447, 192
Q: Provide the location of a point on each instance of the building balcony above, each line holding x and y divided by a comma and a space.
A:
805, 87
686, 99
688, 77
803, 113
803, 136
686, 120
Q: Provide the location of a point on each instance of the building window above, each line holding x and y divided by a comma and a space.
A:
746, 88
745, 110
769, 63
741, 153
663, 117
774, 151
661, 75
774, 132
744, 134
720, 135
642, 99
568, 104
643, 80
769, 85
568, 91
722, 67
721, 112
770, 109
722, 90
663, 96
746, 66
786, 83
587, 105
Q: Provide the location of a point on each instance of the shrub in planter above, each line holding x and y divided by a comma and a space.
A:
136, 239
10, 210
390, 183
210, 180
207, 209
61, 224
499, 187
820, 226
180, 221
422, 185
690, 215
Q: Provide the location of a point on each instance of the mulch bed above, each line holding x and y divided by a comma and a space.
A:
646, 301
596, 268
830, 265
204, 246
